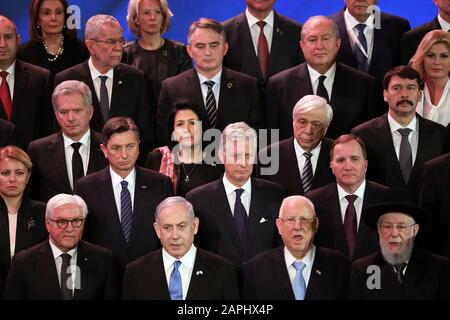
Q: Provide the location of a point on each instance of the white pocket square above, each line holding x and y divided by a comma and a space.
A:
263, 220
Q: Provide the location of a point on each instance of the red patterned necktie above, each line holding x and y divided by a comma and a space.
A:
263, 48
5, 95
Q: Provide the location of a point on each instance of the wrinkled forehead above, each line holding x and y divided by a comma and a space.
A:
395, 217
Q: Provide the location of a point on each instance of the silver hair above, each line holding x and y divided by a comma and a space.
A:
311, 103
94, 24
296, 198
174, 201
334, 27
70, 87
238, 131
62, 199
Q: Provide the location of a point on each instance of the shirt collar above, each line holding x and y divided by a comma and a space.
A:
96, 74
252, 20
444, 24
57, 252
230, 188
308, 260
314, 75
394, 125
299, 150
187, 260
216, 78
11, 69
352, 22
116, 179
358, 192
84, 139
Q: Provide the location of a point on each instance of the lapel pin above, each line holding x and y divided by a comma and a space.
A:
85, 259
164, 53
280, 31
144, 187
229, 85
199, 273
31, 223
120, 82
318, 272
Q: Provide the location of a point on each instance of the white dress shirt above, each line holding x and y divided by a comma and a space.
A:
12, 222
301, 159
343, 202
328, 83
117, 187
308, 260
10, 78
397, 137
215, 88
352, 31
255, 29
186, 267
439, 113
231, 194
444, 24
95, 74
84, 152
75, 277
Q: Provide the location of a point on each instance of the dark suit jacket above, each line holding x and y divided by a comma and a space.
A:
217, 230
145, 278
33, 274
383, 162
412, 39
103, 224
434, 197
386, 44
239, 101
353, 99
285, 51
32, 112
331, 232
30, 230
266, 276
288, 174
49, 172
132, 97
427, 277
7, 133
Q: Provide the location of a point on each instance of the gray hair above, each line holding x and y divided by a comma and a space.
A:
174, 201
311, 103
238, 131
207, 23
334, 27
71, 87
133, 11
94, 24
62, 199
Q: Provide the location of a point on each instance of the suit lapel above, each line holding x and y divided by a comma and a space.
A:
46, 269
96, 157
345, 51
280, 274
200, 277
57, 154
246, 42
21, 78
277, 47
140, 194
97, 119
85, 277
303, 80
227, 85
423, 148
117, 91
257, 205
363, 230
192, 83
317, 280
292, 162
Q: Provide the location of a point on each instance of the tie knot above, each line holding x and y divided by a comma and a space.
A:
239, 193
209, 84
124, 184
400, 267
176, 265
351, 198
4, 74
261, 24
76, 145
299, 266
404, 132
103, 79
361, 27
322, 78
307, 155
65, 258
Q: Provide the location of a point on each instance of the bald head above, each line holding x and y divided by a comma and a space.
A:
298, 204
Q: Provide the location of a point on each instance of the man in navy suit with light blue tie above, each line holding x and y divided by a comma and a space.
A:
298, 270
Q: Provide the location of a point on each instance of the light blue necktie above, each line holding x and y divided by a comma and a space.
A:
175, 287
298, 285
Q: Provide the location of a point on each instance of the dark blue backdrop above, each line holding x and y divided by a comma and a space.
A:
186, 11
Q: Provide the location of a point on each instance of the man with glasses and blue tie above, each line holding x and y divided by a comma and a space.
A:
180, 270
64, 267
298, 270
120, 90
399, 270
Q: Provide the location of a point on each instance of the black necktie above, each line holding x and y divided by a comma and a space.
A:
399, 271
210, 105
405, 156
104, 98
361, 58
321, 90
66, 289
126, 210
350, 224
240, 217
77, 162
307, 177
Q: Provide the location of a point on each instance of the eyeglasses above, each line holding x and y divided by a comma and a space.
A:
387, 227
303, 221
154, 12
315, 125
111, 42
63, 223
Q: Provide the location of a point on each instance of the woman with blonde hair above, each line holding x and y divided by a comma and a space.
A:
432, 61
157, 56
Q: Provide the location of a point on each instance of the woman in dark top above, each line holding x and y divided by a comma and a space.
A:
183, 161
53, 43
22, 221
158, 57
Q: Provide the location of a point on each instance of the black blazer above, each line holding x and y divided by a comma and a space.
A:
266, 276
427, 277
33, 274
217, 231
412, 39
239, 101
132, 97
331, 232
354, 99
103, 225
386, 44
285, 51
213, 278
32, 112
49, 172
288, 174
383, 162
7, 133
434, 197
30, 230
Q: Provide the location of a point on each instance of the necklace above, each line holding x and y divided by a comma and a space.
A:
186, 179
56, 55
